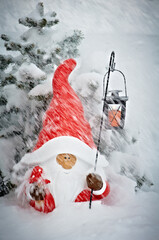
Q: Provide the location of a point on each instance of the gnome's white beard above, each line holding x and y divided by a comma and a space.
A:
66, 184
66, 187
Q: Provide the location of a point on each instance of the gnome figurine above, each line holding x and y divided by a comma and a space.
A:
60, 168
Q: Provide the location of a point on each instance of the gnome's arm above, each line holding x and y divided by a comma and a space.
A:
98, 184
95, 182
37, 191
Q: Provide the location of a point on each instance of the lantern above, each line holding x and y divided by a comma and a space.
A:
115, 103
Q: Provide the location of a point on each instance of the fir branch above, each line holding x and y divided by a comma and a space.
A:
30, 22
5, 61
3, 101
53, 14
8, 79
52, 23
5, 185
5, 37
40, 9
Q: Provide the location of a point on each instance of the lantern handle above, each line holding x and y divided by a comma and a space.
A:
112, 69
116, 70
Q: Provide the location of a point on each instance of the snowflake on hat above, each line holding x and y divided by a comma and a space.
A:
59, 168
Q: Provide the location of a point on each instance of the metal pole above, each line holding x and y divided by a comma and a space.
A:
111, 67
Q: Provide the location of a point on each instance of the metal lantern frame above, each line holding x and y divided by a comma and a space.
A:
114, 118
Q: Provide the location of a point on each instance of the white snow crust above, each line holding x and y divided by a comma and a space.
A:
16, 97
30, 70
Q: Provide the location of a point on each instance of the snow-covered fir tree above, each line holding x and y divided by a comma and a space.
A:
33, 56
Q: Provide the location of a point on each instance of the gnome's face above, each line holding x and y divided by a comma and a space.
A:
66, 160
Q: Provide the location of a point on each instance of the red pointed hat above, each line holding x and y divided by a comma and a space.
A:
65, 115
65, 129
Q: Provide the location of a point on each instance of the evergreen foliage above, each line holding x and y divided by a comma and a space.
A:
21, 115
5, 185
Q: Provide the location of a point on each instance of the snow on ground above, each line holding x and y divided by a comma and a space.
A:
130, 28
126, 220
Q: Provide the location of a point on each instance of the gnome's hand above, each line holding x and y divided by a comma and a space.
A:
94, 181
37, 192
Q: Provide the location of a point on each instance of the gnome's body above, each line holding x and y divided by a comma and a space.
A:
63, 157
